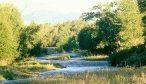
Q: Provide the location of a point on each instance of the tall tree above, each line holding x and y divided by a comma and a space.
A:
86, 39
142, 5
132, 31
10, 26
109, 28
142, 8
30, 40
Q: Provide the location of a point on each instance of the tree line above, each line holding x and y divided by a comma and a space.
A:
120, 28
116, 29
18, 41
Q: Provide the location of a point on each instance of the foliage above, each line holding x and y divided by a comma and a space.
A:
116, 29
142, 8
71, 44
67, 34
115, 25
46, 34
144, 20
142, 5
135, 56
10, 25
29, 41
131, 37
86, 39
109, 28
132, 31
119, 30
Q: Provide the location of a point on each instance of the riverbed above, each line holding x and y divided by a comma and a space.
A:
72, 66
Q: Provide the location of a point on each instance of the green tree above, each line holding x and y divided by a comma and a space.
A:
10, 26
132, 50
119, 25
142, 8
109, 28
132, 31
86, 39
67, 34
30, 41
142, 5
46, 34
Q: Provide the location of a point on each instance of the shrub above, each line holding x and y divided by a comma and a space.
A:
135, 56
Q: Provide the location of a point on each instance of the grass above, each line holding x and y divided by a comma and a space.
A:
96, 58
24, 69
82, 52
121, 76
2, 78
61, 57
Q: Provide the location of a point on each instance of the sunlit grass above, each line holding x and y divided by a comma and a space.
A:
24, 69
2, 78
121, 76
61, 57
96, 58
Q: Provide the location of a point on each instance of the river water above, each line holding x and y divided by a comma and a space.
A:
72, 66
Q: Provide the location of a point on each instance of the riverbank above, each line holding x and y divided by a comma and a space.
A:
120, 76
28, 67
75, 70
43, 67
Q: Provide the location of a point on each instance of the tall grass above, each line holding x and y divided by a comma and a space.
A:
61, 57
24, 69
121, 76
96, 58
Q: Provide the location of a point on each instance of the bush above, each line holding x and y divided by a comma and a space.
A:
30, 44
135, 56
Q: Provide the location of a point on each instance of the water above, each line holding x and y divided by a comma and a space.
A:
72, 66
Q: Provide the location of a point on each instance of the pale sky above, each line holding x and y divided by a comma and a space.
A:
52, 11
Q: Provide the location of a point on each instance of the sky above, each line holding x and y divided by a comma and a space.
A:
52, 11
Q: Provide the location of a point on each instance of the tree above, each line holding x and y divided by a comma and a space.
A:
132, 51
119, 25
10, 26
67, 34
30, 41
71, 44
46, 34
86, 39
142, 5
109, 28
142, 8
132, 31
